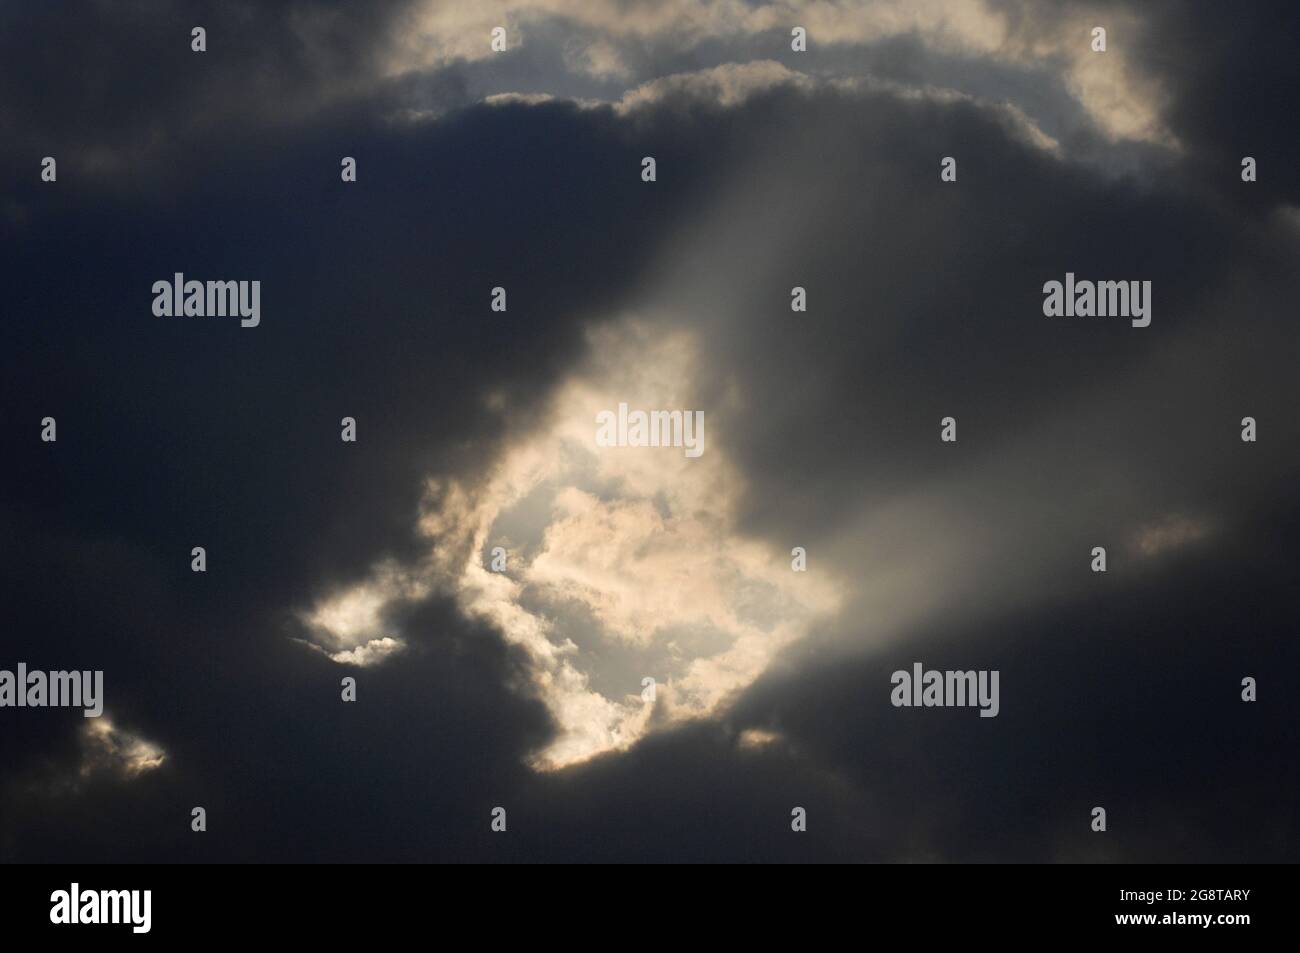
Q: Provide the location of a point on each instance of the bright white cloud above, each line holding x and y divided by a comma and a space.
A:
1123, 101
632, 566
727, 85
349, 626
107, 748
640, 543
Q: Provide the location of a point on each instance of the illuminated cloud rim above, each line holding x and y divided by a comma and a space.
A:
605, 38
623, 563
112, 750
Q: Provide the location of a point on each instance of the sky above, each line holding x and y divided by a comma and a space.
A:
498, 583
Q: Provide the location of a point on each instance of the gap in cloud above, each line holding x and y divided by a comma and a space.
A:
623, 562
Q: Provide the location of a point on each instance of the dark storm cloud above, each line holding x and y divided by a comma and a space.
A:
1226, 75
107, 83
1125, 699
199, 432
1121, 700
924, 302
1232, 73
925, 299
1085, 434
